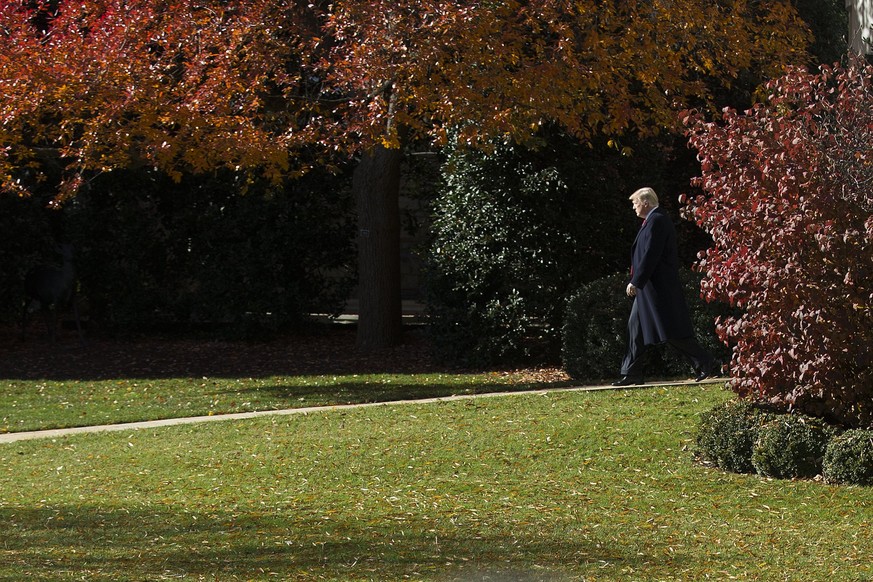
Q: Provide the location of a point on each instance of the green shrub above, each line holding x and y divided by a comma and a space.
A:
595, 330
727, 435
849, 458
791, 445
515, 231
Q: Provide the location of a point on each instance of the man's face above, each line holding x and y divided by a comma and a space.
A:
640, 207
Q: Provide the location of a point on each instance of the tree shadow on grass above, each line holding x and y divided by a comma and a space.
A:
332, 351
322, 369
292, 393
350, 391
152, 543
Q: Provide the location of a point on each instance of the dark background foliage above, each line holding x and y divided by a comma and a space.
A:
828, 21
213, 250
595, 330
516, 230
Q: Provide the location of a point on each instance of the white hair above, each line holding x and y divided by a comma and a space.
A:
645, 195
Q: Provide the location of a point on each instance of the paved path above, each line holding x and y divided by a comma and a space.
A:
62, 432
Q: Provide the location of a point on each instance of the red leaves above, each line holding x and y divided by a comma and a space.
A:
246, 83
789, 209
112, 84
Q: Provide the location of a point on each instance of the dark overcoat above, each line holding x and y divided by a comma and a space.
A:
661, 304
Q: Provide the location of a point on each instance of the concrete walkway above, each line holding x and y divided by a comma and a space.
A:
148, 424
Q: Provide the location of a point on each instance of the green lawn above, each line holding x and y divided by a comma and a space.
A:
27, 405
556, 486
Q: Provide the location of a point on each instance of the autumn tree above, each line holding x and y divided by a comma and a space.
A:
103, 85
788, 200
279, 84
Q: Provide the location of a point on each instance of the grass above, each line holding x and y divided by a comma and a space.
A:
556, 486
27, 405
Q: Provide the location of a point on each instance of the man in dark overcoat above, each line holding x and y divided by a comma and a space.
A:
659, 313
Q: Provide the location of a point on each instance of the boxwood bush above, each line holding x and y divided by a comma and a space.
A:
595, 330
727, 434
742, 437
515, 231
849, 458
791, 446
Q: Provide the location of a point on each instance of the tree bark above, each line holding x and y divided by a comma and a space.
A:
376, 186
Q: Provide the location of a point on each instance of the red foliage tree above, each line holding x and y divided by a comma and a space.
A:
275, 84
788, 200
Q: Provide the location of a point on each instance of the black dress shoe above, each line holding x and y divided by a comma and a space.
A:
628, 381
707, 372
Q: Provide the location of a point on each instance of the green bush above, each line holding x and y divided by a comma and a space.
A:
849, 458
211, 251
741, 437
514, 232
595, 330
727, 434
791, 445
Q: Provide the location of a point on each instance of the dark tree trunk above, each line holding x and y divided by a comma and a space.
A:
376, 186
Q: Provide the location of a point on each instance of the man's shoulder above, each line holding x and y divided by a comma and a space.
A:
660, 220
660, 214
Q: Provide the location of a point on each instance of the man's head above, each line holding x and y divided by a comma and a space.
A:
644, 200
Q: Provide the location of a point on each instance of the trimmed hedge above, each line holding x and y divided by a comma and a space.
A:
791, 446
727, 435
741, 437
849, 458
595, 330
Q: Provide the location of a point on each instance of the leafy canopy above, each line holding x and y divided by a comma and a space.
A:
101, 84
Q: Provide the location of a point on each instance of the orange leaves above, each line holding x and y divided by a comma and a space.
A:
112, 84
262, 75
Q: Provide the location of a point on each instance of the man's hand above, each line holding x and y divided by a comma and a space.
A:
631, 290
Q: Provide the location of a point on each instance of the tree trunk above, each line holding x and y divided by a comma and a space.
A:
376, 186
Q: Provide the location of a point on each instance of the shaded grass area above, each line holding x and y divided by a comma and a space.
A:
556, 486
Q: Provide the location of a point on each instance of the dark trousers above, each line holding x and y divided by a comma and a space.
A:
634, 360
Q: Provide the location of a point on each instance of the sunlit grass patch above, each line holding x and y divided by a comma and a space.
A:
556, 486
43, 404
